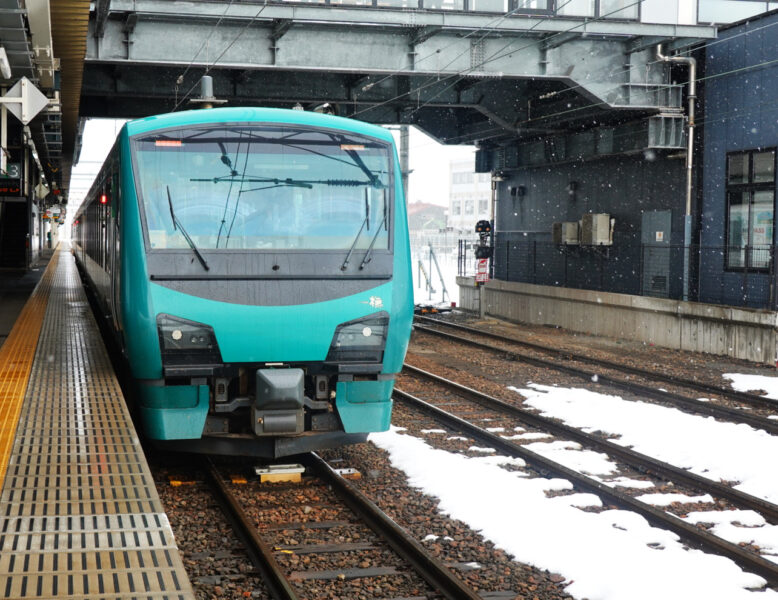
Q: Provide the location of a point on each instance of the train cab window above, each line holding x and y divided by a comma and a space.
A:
264, 187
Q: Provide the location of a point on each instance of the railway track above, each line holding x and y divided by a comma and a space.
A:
690, 534
285, 584
641, 462
764, 405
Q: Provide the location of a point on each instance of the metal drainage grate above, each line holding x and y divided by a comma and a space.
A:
79, 513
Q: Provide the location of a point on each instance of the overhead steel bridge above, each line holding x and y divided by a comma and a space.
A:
463, 70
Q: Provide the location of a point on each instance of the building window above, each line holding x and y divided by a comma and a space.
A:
483, 206
468, 207
750, 209
455, 207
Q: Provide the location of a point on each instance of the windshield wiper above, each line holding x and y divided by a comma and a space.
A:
384, 223
365, 222
276, 185
304, 183
177, 225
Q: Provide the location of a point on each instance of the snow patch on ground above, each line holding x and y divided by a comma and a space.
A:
573, 457
625, 482
668, 499
687, 441
516, 515
743, 382
537, 435
483, 450
741, 527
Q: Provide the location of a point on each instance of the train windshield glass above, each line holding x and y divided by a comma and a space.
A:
264, 187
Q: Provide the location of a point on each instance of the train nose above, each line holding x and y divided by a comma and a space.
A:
278, 405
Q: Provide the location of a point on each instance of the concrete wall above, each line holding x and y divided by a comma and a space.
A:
735, 332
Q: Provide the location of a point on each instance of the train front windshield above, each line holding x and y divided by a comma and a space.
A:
264, 187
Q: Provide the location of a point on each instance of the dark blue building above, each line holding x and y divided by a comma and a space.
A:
633, 172
740, 135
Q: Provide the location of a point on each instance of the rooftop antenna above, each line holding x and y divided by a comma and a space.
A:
206, 99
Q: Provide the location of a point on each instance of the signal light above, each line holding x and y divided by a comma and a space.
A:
103, 199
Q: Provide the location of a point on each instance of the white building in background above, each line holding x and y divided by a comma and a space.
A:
729, 11
470, 195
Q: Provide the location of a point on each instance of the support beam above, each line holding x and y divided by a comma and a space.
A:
419, 35
101, 16
280, 27
278, 30
130, 23
558, 39
644, 42
650, 42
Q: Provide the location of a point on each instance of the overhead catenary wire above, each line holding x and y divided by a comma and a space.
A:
504, 52
500, 131
464, 73
615, 88
487, 29
218, 58
180, 78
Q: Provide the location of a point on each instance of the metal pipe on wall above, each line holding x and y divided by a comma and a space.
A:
691, 97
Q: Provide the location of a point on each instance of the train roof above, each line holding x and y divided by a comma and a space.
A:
254, 114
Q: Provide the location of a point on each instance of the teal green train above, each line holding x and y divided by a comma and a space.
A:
254, 266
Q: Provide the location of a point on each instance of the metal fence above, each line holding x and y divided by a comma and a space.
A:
734, 276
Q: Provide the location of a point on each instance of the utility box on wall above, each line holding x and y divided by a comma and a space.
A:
565, 233
596, 229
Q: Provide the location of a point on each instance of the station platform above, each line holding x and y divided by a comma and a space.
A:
79, 513
15, 288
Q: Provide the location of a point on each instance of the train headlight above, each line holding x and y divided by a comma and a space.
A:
362, 340
186, 342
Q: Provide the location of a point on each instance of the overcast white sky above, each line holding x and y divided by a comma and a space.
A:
429, 163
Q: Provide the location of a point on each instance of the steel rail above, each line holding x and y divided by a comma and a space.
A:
641, 462
261, 554
705, 408
427, 566
753, 399
690, 534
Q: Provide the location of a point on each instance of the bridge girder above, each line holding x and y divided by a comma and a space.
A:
509, 77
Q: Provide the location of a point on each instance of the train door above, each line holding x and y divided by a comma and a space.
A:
115, 247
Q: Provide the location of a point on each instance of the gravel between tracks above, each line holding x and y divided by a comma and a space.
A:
705, 368
490, 569
213, 556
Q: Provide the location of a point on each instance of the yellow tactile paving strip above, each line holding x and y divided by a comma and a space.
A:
80, 517
16, 357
